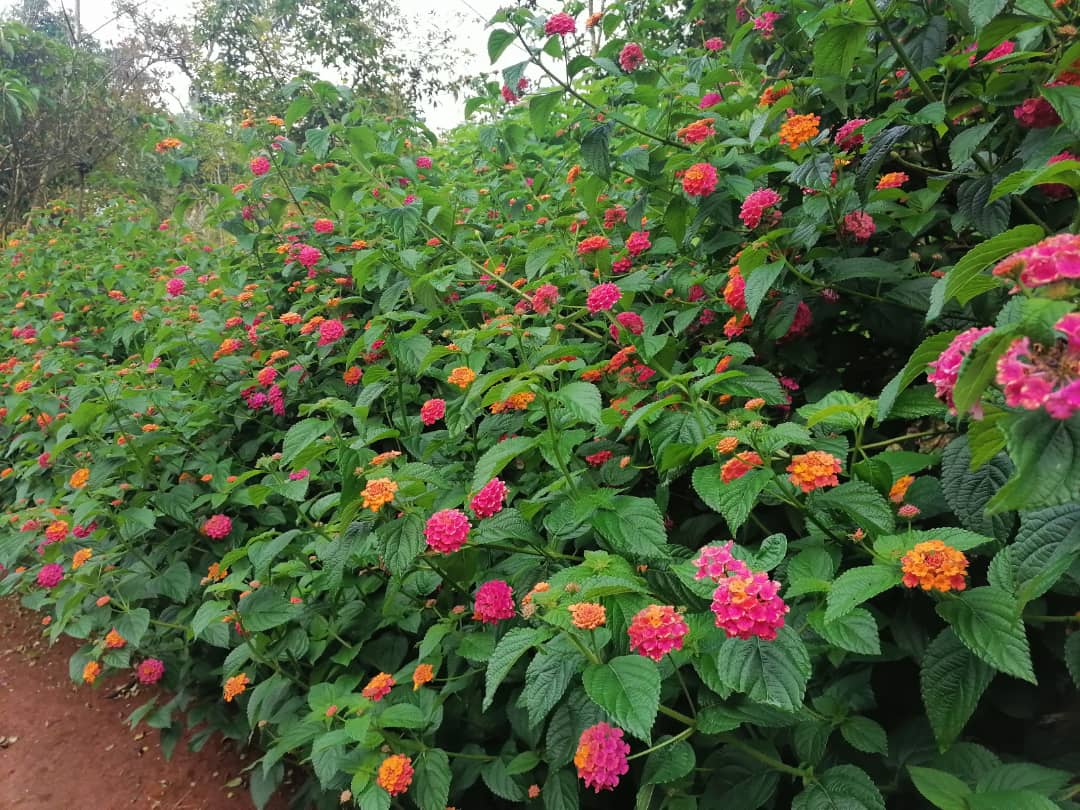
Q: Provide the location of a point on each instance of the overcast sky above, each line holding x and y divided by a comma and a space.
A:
441, 113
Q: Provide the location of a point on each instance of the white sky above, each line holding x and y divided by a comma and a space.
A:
466, 18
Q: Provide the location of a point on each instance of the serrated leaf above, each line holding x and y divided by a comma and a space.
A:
669, 763
431, 783
560, 790
771, 672
928, 351
856, 631
498, 41
497, 456
987, 620
952, 680
843, 787
1066, 100
863, 504
300, 436
265, 609
500, 782
968, 492
548, 676
735, 499
628, 689
633, 527
857, 585
1046, 452
966, 279
1045, 548
941, 789
865, 735
583, 400
596, 149
510, 648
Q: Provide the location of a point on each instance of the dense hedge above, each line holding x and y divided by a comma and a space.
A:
593, 443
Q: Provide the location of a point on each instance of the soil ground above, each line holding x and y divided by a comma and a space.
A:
64, 746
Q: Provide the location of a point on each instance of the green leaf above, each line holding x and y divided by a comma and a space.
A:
860, 502
770, 672
498, 41
669, 763
979, 368
928, 351
941, 789
549, 674
500, 782
964, 145
987, 620
1046, 452
856, 631
497, 457
541, 107
856, 585
264, 609
1072, 657
981, 12
758, 283
1046, 546
843, 787
633, 527
431, 785
596, 150
1011, 800
952, 680
510, 648
770, 553
402, 715
735, 499
865, 735
401, 541
318, 141
300, 436
560, 790
1022, 776
298, 109
880, 147
583, 400
1066, 100
628, 689
968, 492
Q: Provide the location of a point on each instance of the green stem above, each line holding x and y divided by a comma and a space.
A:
1074, 618
682, 735
764, 758
906, 437
593, 657
555, 445
674, 715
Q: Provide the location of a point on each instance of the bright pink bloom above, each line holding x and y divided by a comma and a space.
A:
331, 331
603, 297
150, 671
600, 458
266, 376
1004, 49
561, 24
44, 460
630, 321
432, 411
423, 162
1054, 259
260, 166
700, 180
622, 265
174, 287
308, 256
637, 243
544, 298
1036, 113
714, 44
657, 630
1069, 325
299, 475
50, 575
631, 57
946, 369
601, 757
217, 527
709, 100
765, 23
324, 226
859, 225
447, 530
755, 204
847, 138
715, 562
800, 324
489, 500
746, 606
494, 602
1036, 376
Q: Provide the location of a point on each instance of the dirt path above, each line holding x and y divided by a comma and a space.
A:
64, 746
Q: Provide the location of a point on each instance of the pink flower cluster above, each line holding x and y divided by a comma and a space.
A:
709, 100
432, 411
494, 602
847, 137
50, 575
630, 321
1054, 259
1046, 377
489, 500
657, 630
150, 671
331, 331
997, 52
699, 180
745, 603
637, 243
1036, 113
601, 757
946, 369
217, 527
603, 297
714, 44
859, 225
1058, 191
754, 207
560, 24
260, 165
631, 57
174, 287
447, 530
765, 23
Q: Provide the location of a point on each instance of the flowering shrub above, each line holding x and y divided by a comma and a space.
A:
604, 454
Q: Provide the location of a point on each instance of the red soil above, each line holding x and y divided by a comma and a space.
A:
65, 746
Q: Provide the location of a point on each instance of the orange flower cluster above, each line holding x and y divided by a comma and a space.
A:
378, 687
91, 671
515, 402
773, 95
114, 640
395, 774
697, 131
461, 376
236, 685
79, 478
165, 144
80, 557
898, 490
588, 615
424, 673
727, 445
378, 493
814, 470
739, 466
799, 129
935, 566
